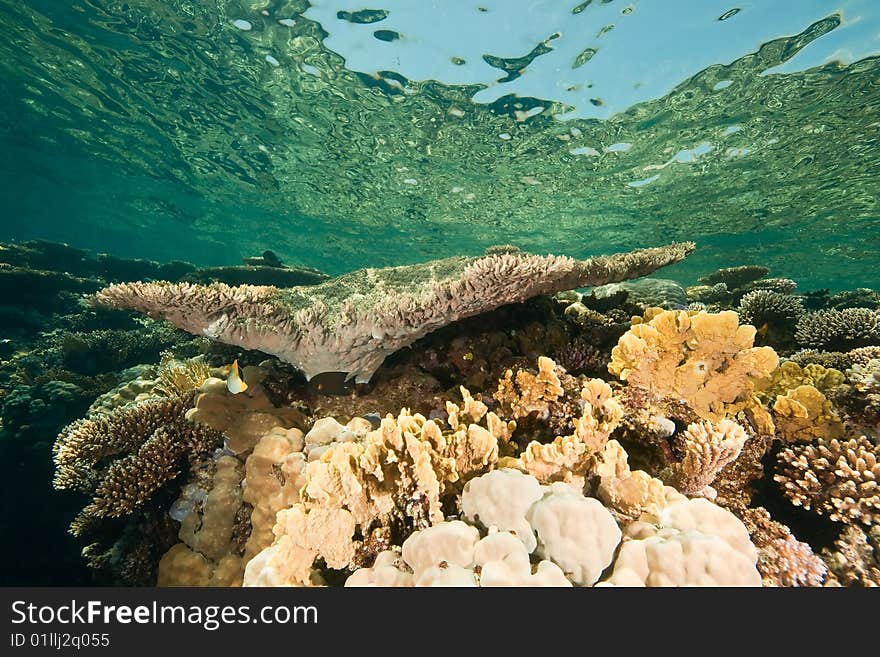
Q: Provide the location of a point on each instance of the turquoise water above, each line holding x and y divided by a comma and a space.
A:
340, 138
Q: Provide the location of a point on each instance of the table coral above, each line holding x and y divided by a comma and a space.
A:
835, 478
351, 323
706, 359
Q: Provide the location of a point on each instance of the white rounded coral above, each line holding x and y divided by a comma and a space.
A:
500, 499
575, 532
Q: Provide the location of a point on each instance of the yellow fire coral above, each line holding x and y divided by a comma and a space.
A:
530, 393
805, 414
706, 359
570, 458
358, 492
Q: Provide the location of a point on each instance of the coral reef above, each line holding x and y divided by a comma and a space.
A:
834, 477
839, 330
351, 323
147, 444
706, 359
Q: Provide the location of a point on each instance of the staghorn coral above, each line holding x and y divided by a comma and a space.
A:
804, 414
839, 330
834, 478
707, 447
351, 323
705, 359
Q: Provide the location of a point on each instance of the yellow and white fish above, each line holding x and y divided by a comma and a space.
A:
234, 383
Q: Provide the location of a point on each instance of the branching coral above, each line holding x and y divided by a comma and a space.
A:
705, 359
840, 479
782, 559
855, 558
351, 323
839, 330
777, 311
707, 447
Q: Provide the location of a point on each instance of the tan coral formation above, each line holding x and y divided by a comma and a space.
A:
707, 447
358, 492
571, 458
242, 418
530, 393
351, 323
838, 478
705, 359
804, 414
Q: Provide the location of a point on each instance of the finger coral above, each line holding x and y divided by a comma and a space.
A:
707, 448
351, 323
840, 479
705, 359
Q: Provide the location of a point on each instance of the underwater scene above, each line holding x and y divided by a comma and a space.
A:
440, 293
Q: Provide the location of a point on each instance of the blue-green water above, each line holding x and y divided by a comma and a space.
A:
164, 130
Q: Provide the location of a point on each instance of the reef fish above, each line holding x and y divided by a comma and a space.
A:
234, 383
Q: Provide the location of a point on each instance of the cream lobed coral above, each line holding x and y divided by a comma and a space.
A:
705, 359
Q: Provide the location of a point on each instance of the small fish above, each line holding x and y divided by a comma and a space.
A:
234, 383
763, 330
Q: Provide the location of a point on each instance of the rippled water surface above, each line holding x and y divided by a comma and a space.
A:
343, 135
